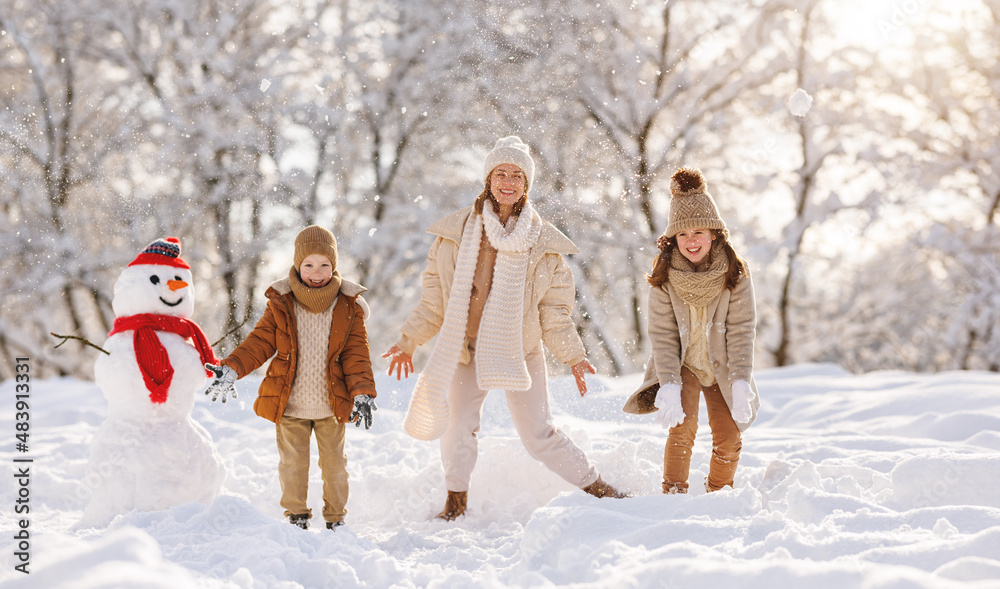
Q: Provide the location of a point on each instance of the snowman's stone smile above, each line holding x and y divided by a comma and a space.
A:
169, 304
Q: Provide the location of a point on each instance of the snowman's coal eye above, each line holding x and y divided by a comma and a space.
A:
178, 278
154, 279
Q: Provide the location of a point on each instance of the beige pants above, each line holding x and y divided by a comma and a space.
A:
529, 410
293, 465
726, 440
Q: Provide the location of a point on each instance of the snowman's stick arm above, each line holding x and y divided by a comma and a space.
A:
228, 333
65, 338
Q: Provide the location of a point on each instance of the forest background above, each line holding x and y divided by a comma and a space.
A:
871, 221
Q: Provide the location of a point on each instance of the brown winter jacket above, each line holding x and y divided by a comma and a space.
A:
349, 367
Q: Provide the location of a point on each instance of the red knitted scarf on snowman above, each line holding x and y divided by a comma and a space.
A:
154, 363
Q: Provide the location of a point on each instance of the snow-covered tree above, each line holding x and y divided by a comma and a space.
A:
957, 87
612, 97
64, 136
232, 125
826, 122
221, 83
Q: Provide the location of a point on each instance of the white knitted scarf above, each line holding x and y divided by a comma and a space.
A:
500, 346
500, 351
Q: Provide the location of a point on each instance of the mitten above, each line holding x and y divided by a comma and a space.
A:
363, 407
224, 382
668, 401
742, 397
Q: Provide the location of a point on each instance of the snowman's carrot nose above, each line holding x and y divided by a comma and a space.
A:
176, 284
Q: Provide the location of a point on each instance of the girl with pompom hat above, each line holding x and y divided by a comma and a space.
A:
702, 322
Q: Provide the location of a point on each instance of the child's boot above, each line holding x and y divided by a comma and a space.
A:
299, 519
674, 488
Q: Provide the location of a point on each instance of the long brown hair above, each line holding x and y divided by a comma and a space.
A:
488, 194
661, 267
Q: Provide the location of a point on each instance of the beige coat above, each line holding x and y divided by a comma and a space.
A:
730, 338
549, 296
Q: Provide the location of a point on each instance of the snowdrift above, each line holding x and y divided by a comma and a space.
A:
882, 480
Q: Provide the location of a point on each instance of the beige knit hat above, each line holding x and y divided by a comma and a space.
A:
511, 150
691, 206
315, 240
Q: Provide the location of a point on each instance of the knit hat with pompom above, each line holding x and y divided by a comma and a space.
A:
691, 206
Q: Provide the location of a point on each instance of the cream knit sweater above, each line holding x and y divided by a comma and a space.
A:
310, 395
696, 355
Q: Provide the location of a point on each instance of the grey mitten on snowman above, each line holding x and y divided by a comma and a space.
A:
742, 399
668, 401
224, 382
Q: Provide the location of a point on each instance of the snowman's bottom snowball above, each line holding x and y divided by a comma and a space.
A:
149, 466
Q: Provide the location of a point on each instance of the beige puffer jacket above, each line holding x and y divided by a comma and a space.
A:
730, 338
549, 296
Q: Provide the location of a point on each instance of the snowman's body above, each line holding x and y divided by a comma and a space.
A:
150, 454
120, 379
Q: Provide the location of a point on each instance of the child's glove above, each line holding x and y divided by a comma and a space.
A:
742, 397
224, 382
668, 401
363, 407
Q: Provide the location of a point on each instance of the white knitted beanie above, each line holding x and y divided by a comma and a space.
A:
510, 150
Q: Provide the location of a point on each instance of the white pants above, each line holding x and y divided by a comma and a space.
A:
529, 410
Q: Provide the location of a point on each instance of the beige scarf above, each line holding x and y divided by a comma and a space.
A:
502, 362
316, 300
698, 289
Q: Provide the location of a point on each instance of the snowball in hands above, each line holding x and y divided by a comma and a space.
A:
668, 401
224, 382
742, 398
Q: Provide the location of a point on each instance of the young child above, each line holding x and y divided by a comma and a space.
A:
314, 327
701, 325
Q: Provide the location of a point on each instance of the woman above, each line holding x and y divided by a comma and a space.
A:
701, 324
496, 286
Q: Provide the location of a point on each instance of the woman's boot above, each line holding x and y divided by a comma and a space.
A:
454, 506
601, 489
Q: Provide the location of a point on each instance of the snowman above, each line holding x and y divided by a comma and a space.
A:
149, 454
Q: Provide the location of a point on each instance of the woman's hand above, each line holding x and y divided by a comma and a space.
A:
401, 362
579, 371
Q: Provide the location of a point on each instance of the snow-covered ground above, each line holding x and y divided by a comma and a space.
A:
887, 479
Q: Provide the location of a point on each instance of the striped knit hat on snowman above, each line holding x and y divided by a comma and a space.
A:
162, 252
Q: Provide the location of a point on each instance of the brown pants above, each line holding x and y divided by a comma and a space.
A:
726, 439
293, 465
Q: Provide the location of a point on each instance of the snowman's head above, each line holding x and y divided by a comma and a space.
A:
158, 282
